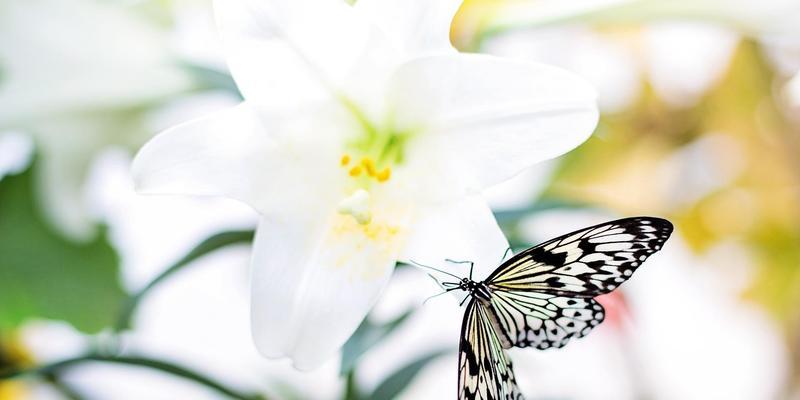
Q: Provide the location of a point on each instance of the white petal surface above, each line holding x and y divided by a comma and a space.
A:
287, 53
230, 153
314, 278
207, 156
495, 117
414, 27
462, 231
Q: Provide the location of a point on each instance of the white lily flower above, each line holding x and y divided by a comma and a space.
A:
76, 87
364, 139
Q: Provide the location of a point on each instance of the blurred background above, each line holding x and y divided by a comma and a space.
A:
105, 294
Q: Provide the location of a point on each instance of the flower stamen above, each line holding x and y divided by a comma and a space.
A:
357, 206
355, 171
366, 166
384, 175
369, 166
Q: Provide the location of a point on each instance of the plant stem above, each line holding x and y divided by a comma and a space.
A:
351, 391
209, 245
53, 369
61, 387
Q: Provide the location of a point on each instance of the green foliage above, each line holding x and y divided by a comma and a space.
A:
400, 379
209, 245
44, 275
365, 337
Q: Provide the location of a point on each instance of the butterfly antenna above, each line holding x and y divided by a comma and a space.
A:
435, 269
440, 284
439, 294
508, 250
471, 265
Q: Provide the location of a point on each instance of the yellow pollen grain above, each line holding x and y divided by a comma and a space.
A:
384, 175
355, 171
369, 165
345, 160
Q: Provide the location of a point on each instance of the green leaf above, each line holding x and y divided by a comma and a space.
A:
516, 214
400, 379
367, 335
207, 246
44, 275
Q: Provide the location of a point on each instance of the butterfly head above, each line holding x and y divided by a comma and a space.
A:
468, 285
473, 288
465, 284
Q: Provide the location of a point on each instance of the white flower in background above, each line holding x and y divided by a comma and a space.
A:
77, 76
684, 48
757, 18
609, 64
793, 91
364, 139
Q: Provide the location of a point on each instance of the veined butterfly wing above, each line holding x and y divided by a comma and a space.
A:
585, 263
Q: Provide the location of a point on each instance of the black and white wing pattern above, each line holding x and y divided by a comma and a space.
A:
542, 320
484, 369
584, 263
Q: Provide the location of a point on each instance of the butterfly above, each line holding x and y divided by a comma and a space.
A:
543, 297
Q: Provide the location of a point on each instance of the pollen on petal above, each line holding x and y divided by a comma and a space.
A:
384, 175
355, 171
345, 160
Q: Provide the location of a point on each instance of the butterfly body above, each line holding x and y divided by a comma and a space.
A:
477, 290
543, 297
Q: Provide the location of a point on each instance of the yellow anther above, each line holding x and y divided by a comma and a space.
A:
369, 165
345, 160
384, 175
355, 171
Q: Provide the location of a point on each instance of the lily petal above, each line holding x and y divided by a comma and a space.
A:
231, 153
287, 53
414, 27
314, 282
207, 156
496, 117
461, 231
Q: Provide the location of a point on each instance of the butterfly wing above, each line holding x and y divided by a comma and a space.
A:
542, 320
584, 263
484, 369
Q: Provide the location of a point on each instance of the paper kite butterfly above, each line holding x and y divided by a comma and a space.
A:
543, 297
